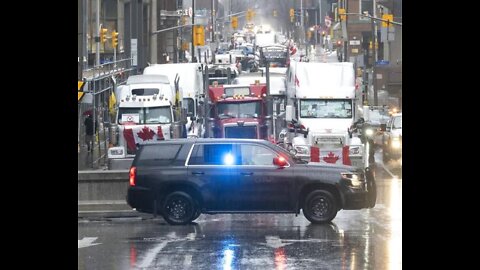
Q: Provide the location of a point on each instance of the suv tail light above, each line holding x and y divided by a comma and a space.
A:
133, 175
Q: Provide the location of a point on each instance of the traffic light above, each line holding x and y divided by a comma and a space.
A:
114, 39
387, 17
199, 36
235, 22
342, 12
323, 33
103, 35
274, 13
309, 35
292, 12
249, 15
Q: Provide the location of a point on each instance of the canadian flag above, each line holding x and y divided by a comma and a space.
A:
142, 135
338, 156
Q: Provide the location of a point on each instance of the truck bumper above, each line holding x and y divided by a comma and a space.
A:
120, 164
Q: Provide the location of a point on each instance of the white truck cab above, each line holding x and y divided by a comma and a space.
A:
321, 98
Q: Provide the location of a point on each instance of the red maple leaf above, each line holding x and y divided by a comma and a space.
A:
331, 158
146, 134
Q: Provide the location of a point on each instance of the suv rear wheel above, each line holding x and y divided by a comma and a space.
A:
179, 208
320, 207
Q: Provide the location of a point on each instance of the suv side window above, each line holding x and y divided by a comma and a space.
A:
213, 154
159, 155
256, 155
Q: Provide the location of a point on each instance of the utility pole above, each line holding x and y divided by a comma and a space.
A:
153, 38
212, 8
193, 30
374, 55
81, 36
97, 40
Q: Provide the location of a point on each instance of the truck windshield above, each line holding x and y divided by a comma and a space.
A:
326, 108
142, 115
397, 122
239, 109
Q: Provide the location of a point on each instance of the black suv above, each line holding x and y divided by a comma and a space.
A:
180, 179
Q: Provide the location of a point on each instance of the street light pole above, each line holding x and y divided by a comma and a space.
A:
97, 24
193, 30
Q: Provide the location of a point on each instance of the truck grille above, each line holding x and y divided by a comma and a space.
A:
241, 132
330, 140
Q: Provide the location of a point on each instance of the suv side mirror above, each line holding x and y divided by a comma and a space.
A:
280, 161
383, 127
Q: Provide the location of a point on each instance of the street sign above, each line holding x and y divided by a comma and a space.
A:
382, 63
354, 42
328, 21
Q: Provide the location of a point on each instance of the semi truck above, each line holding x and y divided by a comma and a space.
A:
190, 82
320, 111
146, 113
238, 111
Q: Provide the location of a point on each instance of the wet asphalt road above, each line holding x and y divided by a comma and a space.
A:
356, 239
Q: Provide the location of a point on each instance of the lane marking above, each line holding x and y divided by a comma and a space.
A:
147, 261
87, 242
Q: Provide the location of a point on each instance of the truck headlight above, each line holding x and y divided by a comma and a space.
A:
396, 143
356, 150
353, 179
302, 150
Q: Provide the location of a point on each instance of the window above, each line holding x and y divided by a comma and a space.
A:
159, 155
146, 115
251, 154
212, 154
366, 6
239, 109
326, 108
145, 91
397, 122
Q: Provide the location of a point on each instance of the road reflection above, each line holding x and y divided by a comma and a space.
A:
356, 240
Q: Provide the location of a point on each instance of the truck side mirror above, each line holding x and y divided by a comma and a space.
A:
289, 113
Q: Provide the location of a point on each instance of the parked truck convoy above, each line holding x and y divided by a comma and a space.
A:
322, 102
146, 114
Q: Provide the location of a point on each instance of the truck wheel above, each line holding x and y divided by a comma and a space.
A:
179, 208
320, 207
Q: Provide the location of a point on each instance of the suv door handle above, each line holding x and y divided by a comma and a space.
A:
247, 173
198, 173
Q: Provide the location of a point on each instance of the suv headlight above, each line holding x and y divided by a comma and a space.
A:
352, 179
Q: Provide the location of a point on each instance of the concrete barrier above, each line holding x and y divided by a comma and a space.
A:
103, 192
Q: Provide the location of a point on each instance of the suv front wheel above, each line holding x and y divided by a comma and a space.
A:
320, 207
179, 208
